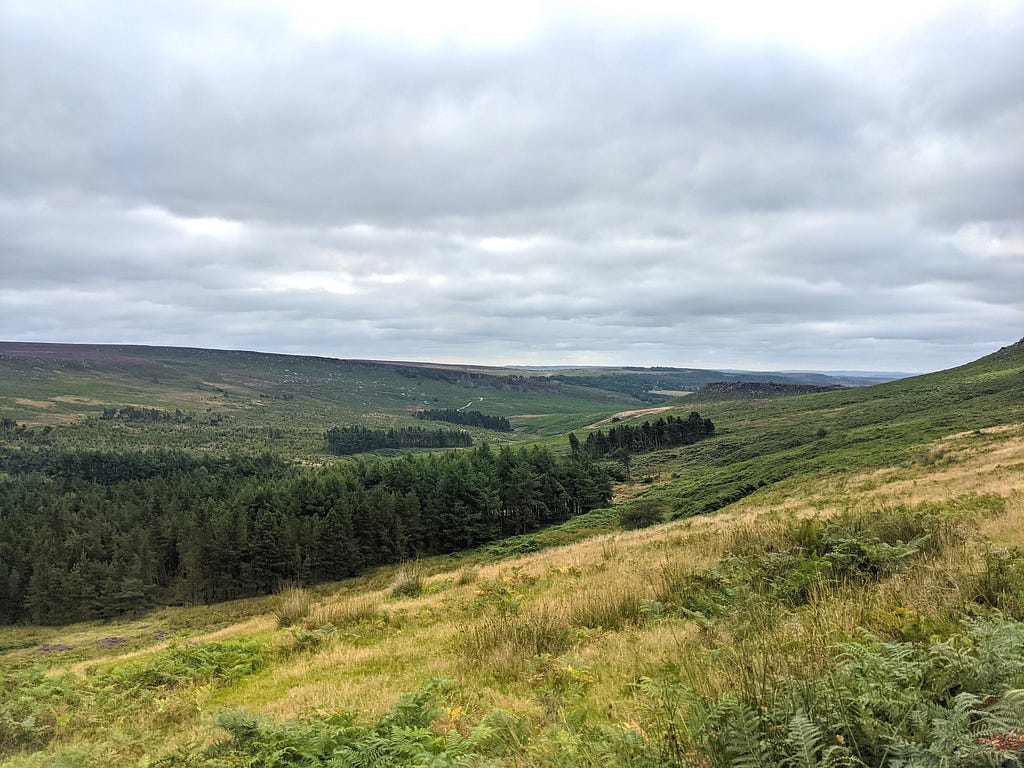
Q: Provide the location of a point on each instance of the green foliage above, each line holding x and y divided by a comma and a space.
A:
624, 439
34, 706
113, 534
39, 706
812, 555
466, 418
187, 664
958, 703
343, 441
641, 514
884, 704
307, 640
408, 735
1000, 584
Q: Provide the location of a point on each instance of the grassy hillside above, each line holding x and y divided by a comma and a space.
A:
763, 441
852, 596
258, 401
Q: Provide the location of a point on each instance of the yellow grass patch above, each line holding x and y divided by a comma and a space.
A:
33, 403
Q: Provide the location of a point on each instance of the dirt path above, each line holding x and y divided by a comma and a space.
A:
626, 414
479, 400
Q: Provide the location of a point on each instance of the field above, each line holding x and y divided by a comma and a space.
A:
833, 579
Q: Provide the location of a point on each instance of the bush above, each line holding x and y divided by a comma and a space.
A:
187, 664
314, 639
950, 703
641, 514
402, 737
30, 702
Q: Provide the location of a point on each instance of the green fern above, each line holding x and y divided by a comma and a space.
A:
805, 739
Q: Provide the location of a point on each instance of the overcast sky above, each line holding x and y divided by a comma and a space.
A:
773, 185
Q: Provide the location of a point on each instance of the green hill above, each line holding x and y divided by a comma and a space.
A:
257, 401
260, 401
840, 581
762, 441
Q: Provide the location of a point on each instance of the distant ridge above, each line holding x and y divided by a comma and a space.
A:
743, 390
136, 356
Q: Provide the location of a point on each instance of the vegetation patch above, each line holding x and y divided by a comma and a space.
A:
954, 702
343, 441
466, 418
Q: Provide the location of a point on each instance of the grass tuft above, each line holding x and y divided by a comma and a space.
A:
408, 582
293, 605
358, 609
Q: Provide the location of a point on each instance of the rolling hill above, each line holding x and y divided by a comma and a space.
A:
839, 581
244, 396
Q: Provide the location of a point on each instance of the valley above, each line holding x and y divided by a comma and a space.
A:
857, 546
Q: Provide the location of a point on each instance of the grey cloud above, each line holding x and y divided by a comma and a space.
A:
645, 195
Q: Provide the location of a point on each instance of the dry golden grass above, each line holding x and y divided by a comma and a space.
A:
293, 605
346, 612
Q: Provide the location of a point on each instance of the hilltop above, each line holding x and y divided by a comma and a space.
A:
821, 562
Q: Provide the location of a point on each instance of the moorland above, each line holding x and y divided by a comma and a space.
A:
781, 569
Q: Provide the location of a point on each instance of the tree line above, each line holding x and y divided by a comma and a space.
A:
650, 436
466, 418
118, 533
137, 413
343, 441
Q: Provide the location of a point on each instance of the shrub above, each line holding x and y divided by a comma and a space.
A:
30, 703
402, 737
641, 514
313, 639
951, 703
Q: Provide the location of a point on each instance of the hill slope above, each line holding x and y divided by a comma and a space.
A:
259, 401
862, 605
763, 441
245, 396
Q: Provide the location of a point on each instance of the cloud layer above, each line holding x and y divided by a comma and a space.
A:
589, 192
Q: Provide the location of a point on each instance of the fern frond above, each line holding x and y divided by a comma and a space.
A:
806, 738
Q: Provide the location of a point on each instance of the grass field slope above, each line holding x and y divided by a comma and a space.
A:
832, 579
259, 401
